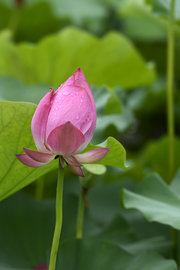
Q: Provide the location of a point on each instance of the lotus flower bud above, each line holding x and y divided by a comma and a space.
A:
63, 125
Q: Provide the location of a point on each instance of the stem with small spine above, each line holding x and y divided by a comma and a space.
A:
58, 225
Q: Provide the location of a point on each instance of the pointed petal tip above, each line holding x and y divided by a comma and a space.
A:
71, 160
39, 156
79, 74
26, 160
76, 170
92, 156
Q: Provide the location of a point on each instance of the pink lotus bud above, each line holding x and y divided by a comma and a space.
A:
63, 124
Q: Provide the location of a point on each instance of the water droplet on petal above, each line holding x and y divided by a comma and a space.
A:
65, 93
82, 99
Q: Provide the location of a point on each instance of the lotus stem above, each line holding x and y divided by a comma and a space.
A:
58, 225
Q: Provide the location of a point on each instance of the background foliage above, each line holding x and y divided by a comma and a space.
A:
121, 47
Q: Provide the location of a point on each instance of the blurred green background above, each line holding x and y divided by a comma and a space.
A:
121, 46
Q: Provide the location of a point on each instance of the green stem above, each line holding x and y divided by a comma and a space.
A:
170, 96
58, 225
170, 112
80, 215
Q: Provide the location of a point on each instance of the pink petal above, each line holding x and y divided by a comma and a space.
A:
39, 156
92, 155
39, 121
76, 170
26, 160
65, 139
72, 161
78, 75
74, 102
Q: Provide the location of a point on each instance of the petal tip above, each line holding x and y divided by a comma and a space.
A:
76, 170
79, 75
92, 156
52, 90
26, 160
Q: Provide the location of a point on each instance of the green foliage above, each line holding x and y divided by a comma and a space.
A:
16, 120
111, 60
138, 16
156, 200
116, 156
14, 90
155, 157
103, 253
15, 134
130, 41
163, 7
96, 169
30, 242
110, 112
44, 22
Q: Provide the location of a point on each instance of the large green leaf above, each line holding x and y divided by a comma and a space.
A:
111, 61
156, 200
88, 254
158, 243
151, 261
14, 90
92, 254
15, 134
120, 232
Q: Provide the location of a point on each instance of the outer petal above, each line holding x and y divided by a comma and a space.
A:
81, 82
78, 75
72, 161
26, 160
39, 156
74, 102
92, 155
65, 139
39, 121
76, 170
